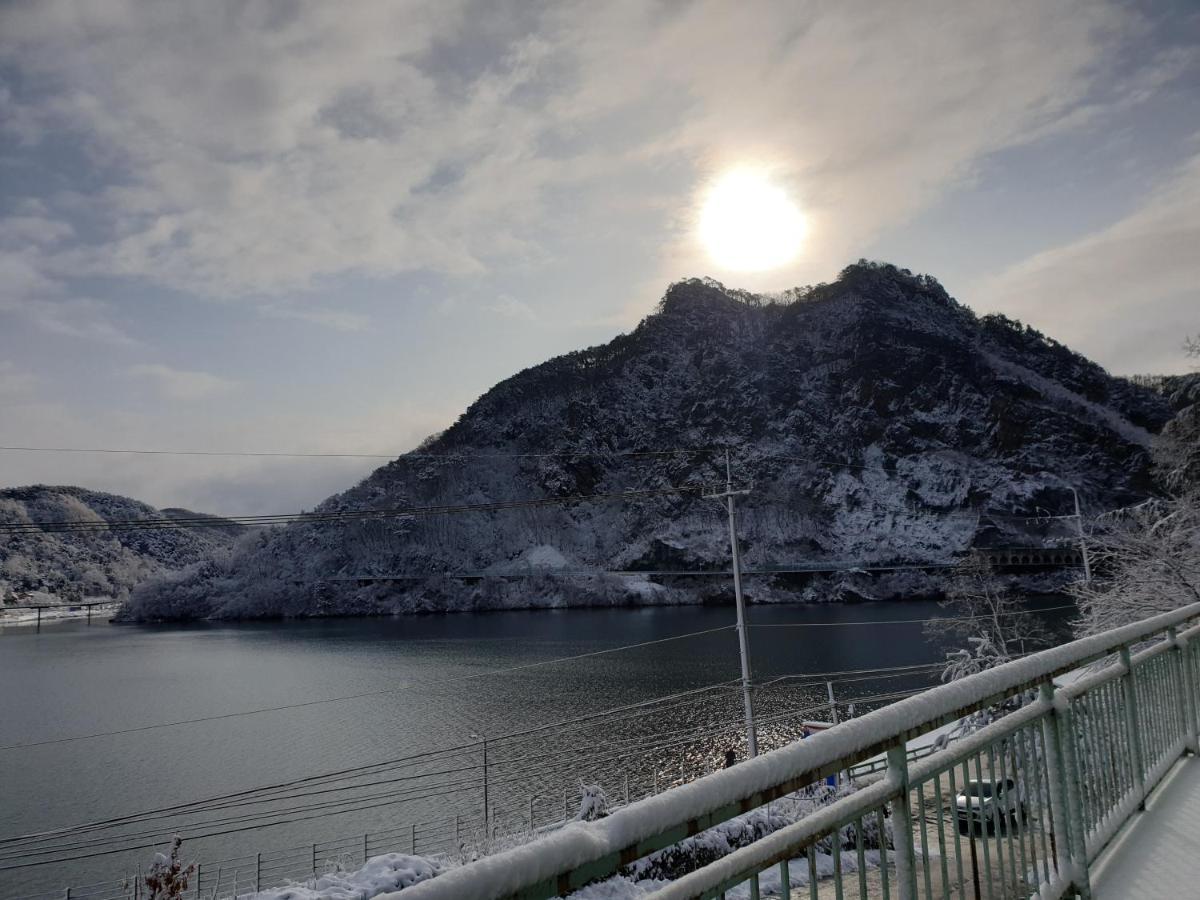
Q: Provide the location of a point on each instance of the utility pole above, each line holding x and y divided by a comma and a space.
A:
1087, 565
729, 496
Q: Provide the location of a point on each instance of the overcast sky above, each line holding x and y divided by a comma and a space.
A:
331, 226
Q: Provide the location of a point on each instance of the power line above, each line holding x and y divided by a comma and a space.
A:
469, 455
451, 455
341, 806
906, 621
206, 521
252, 712
328, 808
524, 666
243, 798
652, 706
540, 663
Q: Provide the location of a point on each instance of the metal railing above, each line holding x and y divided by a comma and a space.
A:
1022, 806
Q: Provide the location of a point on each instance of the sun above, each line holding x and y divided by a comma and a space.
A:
748, 224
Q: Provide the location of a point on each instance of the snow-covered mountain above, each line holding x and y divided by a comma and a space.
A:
878, 420
52, 567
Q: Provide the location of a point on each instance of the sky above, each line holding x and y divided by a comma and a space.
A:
328, 228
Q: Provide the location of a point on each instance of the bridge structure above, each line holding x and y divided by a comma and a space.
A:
1084, 783
1056, 557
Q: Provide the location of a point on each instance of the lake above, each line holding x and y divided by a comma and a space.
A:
432, 684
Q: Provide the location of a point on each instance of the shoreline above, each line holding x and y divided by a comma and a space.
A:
55, 613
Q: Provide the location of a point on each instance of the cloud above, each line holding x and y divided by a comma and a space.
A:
319, 139
180, 384
1127, 293
218, 484
337, 319
28, 292
512, 308
13, 381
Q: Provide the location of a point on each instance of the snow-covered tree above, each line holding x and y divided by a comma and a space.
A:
988, 622
1146, 558
168, 876
1146, 561
593, 803
991, 626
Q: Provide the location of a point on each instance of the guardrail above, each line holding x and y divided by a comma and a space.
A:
1021, 807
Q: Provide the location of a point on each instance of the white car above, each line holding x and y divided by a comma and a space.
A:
981, 806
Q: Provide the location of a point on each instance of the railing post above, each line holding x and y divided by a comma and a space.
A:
197, 880
314, 859
413, 841
1061, 826
1065, 797
258, 871
1191, 706
1133, 733
366, 851
902, 824
1082, 879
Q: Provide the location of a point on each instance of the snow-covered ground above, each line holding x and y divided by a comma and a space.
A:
381, 875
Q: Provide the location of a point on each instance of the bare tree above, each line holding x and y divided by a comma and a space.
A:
989, 623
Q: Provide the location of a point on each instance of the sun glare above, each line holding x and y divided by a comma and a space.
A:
748, 224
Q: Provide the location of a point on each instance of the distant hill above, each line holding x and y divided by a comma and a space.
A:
50, 567
880, 422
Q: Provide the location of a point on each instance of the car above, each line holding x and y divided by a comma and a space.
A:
982, 806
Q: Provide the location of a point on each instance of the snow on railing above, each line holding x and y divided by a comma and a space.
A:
1023, 805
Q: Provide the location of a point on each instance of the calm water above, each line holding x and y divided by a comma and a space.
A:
73, 679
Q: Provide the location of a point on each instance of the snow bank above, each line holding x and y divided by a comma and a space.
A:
618, 888
381, 874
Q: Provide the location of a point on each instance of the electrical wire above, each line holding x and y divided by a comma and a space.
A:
206, 521
460, 678
340, 806
261, 795
395, 456
489, 673
863, 622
